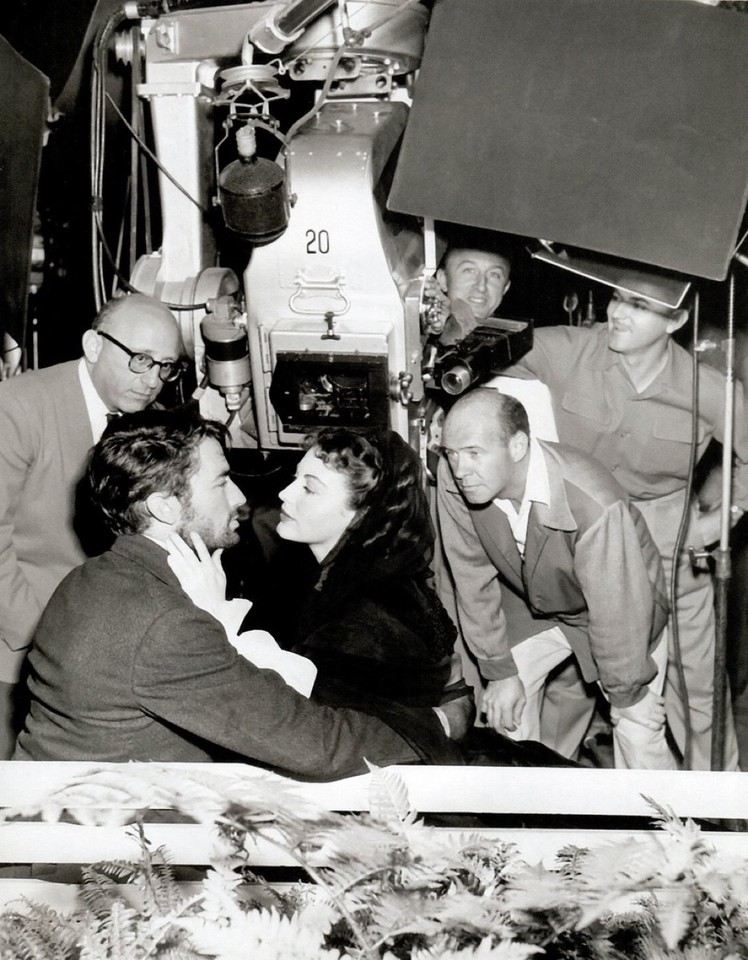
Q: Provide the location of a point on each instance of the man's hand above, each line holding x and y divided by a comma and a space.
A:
200, 575
503, 703
460, 323
709, 525
649, 712
437, 307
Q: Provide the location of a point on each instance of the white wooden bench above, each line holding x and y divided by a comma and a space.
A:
544, 808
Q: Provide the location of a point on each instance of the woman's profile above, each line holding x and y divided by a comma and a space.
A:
372, 624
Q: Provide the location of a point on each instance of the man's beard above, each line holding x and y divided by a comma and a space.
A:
212, 538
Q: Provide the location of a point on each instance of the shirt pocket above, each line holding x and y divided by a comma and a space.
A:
583, 418
676, 426
666, 448
587, 401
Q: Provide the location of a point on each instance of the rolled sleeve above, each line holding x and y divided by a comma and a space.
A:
476, 582
553, 353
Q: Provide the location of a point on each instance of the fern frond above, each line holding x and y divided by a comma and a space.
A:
400, 912
388, 797
673, 910
161, 893
37, 933
620, 865
121, 929
489, 948
663, 815
119, 871
536, 890
356, 840
98, 891
261, 935
682, 831
569, 859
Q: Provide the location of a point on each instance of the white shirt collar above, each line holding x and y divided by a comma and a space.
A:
95, 406
537, 490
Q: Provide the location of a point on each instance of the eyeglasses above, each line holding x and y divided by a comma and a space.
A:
142, 363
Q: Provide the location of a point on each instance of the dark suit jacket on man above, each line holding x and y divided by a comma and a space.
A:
125, 667
590, 567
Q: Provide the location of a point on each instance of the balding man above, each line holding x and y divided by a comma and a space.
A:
549, 561
49, 419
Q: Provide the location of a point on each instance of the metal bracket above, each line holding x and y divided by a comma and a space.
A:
315, 290
404, 393
330, 321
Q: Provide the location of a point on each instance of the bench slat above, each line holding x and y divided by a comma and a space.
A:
508, 790
192, 844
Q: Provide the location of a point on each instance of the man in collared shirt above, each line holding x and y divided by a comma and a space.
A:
622, 393
49, 420
549, 561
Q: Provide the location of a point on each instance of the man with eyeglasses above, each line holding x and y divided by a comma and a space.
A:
49, 420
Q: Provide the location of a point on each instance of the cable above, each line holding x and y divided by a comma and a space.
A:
680, 540
130, 288
99, 96
146, 149
311, 113
322, 96
97, 146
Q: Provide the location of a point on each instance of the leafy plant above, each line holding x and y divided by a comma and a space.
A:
381, 886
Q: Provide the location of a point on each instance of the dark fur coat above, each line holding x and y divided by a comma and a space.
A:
381, 640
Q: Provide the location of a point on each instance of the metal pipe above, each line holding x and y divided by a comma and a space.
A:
723, 570
282, 26
299, 13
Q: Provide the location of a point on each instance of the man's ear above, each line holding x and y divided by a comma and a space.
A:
518, 446
677, 320
163, 507
92, 345
441, 279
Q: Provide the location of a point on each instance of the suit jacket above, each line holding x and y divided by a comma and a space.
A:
125, 667
45, 436
590, 567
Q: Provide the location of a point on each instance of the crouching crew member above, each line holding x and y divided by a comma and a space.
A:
549, 561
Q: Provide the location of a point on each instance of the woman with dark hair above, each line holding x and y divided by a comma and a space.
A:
370, 629
372, 625
368, 621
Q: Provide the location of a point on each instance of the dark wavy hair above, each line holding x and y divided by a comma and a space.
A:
153, 451
386, 489
475, 238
